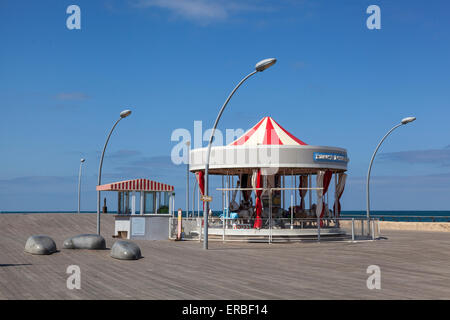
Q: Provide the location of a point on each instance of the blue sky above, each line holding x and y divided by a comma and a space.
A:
173, 62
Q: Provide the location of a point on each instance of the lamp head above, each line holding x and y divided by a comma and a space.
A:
82, 160
264, 64
125, 113
408, 120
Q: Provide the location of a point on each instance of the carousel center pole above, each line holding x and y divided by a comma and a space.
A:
260, 66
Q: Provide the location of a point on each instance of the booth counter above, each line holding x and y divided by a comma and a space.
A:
142, 227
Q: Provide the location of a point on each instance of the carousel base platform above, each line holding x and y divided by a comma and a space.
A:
275, 234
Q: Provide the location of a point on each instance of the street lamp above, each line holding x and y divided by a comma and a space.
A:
188, 143
193, 198
403, 122
259, 67
123, 114
79, 183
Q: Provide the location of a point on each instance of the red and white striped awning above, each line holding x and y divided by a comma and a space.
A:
135, 185
267, 132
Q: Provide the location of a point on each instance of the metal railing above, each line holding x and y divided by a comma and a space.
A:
406, 218
278, 229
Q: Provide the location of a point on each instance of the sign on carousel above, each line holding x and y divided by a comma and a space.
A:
330, 157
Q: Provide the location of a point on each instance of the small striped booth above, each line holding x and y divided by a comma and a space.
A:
155, 197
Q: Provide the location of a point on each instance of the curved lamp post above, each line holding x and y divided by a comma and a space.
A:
79, 183
259, 67
123, 114
188, 144
403, 122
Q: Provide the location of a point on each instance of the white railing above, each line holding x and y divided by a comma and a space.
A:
278, 229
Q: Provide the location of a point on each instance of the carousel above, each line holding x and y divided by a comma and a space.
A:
274, 185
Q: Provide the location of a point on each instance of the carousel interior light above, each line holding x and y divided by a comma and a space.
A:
264, 64
408, 120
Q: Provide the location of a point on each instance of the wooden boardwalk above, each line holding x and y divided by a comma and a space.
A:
414, 265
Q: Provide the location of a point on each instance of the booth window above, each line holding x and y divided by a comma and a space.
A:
123, 206
150, 202
163, 202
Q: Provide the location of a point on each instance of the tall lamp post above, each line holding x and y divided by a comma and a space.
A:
403, 122
79, 183
188, 143
259, 67
123, 114
193, 198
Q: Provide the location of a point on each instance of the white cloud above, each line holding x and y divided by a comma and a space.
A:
123, 154
72, 96
434, 156
204, 11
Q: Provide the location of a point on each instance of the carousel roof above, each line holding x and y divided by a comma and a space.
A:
267, 132
269, 145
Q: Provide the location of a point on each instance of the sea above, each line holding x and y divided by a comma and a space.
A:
413, 216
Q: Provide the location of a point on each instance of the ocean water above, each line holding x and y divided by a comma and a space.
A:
416, 216
424, 216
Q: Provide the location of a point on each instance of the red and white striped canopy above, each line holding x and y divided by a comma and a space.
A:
135, 185
267, 132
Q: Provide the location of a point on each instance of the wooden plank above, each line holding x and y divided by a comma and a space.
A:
414, 265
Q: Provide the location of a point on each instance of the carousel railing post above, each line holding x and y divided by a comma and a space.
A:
335, 198
223, 226
292, 211
227, 201
378, 227
353, 229
372, 224
318, 228
292, 190
199, 221
362, 227
295, 186
310, 191
270, 215
284, 203
319, 200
